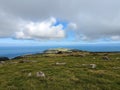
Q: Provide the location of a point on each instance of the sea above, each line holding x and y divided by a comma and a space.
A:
14, 51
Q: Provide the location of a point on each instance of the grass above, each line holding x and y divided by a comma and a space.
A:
72, 76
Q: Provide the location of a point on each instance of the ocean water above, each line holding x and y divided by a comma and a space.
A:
10, 51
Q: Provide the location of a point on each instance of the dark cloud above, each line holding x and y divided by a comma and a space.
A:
95, 19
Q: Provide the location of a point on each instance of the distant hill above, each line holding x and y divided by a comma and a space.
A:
61, 50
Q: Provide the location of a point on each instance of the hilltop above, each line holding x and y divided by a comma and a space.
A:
61, 50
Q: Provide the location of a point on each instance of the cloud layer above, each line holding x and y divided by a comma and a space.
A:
92, 19
41, 30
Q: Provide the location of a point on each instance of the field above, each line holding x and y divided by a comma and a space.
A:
62, 72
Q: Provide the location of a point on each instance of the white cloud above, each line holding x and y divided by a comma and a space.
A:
41, 30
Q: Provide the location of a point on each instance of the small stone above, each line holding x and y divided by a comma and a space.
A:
57, 63
93, 66
29, 74
40, 74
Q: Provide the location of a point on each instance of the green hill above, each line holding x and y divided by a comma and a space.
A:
64, 71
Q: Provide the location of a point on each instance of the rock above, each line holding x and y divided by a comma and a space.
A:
29, 74
4, 58
105, 58
40, 74
93, 66
57, 63
2, 62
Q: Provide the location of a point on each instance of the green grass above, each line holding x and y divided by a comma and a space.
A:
72, 76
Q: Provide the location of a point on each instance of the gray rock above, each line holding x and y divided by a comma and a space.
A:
57, 63
40, 74
93, 66
29, 74
2, 62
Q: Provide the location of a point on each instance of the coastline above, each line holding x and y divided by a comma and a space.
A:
32, 54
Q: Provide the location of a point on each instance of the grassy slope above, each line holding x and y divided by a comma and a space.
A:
72, 76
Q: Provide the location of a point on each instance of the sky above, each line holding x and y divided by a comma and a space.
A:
59, 22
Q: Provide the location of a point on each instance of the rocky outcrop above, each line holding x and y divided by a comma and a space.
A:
19, 57
4, 58
60, 51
